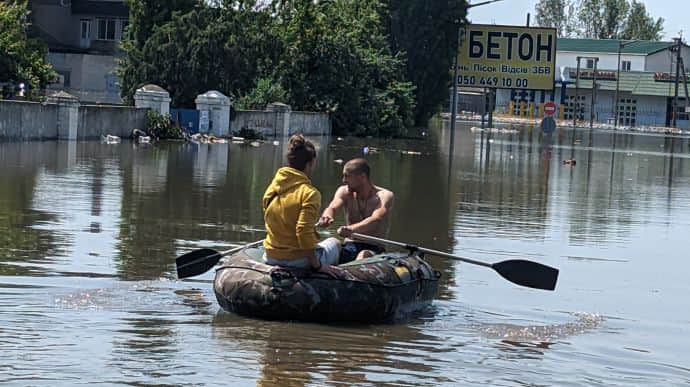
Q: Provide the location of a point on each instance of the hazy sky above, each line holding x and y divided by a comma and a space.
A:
514, 12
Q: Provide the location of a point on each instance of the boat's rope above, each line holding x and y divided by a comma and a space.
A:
326, 277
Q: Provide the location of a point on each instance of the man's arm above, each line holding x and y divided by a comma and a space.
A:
328, 216
369, 225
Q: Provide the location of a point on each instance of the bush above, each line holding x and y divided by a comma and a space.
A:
250, 134
266, 91
161, 126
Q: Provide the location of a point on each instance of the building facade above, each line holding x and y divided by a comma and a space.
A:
644, 84
83, 45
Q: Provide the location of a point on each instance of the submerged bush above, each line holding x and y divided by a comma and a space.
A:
161, 126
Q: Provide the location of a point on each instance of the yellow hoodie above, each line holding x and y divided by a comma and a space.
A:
291, 208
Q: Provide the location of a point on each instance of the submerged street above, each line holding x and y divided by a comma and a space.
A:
90, 232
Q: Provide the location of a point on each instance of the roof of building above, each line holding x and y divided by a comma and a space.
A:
641, 47
637, 83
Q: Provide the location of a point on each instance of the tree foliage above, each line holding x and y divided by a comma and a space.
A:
22, 59
204, 48
375, 66
426, 32
599, 19
558, 14
641, 25
602, 19
337, 60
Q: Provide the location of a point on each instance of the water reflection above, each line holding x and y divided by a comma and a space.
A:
90, 231
296, 354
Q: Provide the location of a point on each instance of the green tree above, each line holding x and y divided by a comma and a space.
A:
337, 60
267, 90
602, 19
640, 25
558, 14
426, 33
226, 47
22, 59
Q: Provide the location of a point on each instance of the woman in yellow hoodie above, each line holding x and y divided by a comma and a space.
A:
291, 209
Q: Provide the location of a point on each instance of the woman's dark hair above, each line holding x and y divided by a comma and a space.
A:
300, 152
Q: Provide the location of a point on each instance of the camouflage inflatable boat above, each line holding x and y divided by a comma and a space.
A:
379, 288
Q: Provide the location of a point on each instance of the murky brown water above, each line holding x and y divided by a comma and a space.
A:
89, 233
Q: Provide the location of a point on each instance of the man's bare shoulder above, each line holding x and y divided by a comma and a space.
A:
384, 193
342, 192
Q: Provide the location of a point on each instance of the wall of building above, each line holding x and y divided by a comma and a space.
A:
664, 61
651, 110
606, 61
27, 120
92, 78
39, 121
57, 21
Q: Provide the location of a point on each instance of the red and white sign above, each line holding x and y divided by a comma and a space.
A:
549, 108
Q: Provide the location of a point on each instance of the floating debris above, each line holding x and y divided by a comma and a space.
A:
476, 129
409, 152
338, 161
202, 138
110, 139
569, 162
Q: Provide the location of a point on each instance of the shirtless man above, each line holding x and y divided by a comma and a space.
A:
367, 209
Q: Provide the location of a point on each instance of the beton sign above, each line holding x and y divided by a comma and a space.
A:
507, 57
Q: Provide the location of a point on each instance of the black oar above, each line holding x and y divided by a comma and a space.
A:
519, 271
202, 260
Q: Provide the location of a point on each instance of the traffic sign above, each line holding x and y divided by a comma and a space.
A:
549, 108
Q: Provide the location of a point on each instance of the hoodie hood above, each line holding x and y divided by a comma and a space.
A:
285, 179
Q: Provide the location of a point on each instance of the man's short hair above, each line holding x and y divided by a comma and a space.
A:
358, 166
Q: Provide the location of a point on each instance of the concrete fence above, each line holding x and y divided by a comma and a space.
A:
63, 117
66, 119
27, 120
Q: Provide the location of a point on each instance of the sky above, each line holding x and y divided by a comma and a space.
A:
514, 12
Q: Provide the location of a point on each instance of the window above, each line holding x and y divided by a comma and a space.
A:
626, 65
106, 29
589, 64
569, 110
627, 111
85, 29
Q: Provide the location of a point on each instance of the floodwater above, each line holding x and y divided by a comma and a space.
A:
89, 233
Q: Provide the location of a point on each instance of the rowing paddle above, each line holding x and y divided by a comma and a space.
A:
202, 260
518, 271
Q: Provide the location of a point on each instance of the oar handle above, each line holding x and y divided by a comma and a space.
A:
417, 248
240, 248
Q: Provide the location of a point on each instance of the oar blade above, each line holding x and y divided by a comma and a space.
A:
196, 262
528, 273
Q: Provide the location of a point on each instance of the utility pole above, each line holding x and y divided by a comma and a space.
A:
675, 93
618, 82
577, 93
594, 94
